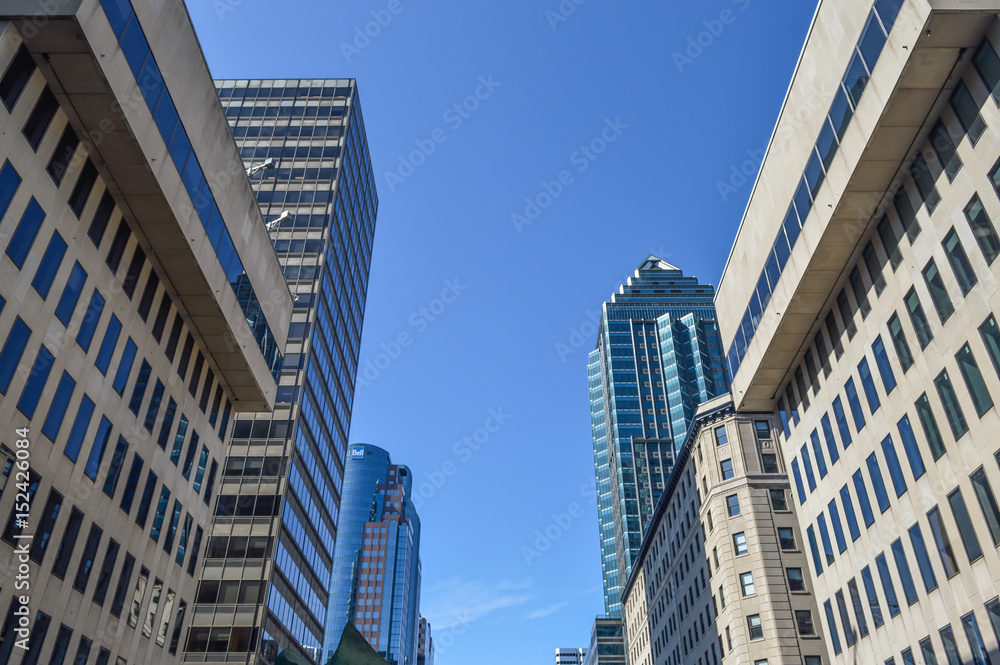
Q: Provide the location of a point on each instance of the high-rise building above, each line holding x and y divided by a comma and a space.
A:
722, 572
425, 647
141, 305
570, 656
658, 356
275, 525
860, 306
376, 563
607, 643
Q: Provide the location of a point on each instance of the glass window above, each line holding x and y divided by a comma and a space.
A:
720, 436
824, 535
950, 646
959, 261
993, 612
871, 394
927, 651
43, 534
921, 175
939, 294
117, 461
121, 588
943, 544
139, 390
49, 265
907, 215
87, 559
903, 569
944, 148
866, 508
874, 265
846, 313
57, 409
125, 366
27, 229
831, 442
860, 292
845, 619
804, 622
877, 483
887, 587
733, 504
838, 529
923, 560
68, 543
161, 511
753, 623
890, 241
746, 580
855, 403
99, 224
991, 338
965, 529
107, 570
831, 622
37, 378
818, 450
988, 503
974, 380
983, 229
849, 515
895, 471
929, 424
786, 539
807, 465
147, 498
81, 190
988, 65
131, 484
856, 79
171, 530
918, 319
952, 409
859, 612
838, 412
840, 112
833, 330
117, 249
88, 326
899, 343
769, 463
795, 580
14, 80
62, 156
727, 469
108, 344
814, 548
884, 368
910, 446
740, 543
975, 639
873, 604
97, 450
967, 111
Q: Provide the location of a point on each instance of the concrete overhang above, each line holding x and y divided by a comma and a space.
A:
83, 64
930, 43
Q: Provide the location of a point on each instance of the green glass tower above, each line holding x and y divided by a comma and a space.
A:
658, 356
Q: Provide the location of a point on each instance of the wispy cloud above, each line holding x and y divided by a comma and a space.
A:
547, 611
454, 602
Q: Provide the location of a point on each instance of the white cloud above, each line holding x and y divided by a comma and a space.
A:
454, 602
547, 611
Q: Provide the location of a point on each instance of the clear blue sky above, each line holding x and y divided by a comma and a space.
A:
520, 290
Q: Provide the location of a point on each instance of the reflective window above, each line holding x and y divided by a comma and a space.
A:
727, 469
831, 442
831, 622
923, 560
855, 403
967, 110
899, 343
903, 569
874, 265
859, 612
943, 543
754, 625
849, 515
27, 229
108, 344
974, 380
959, 261
918, 319
746, 581
838, 529
991, 338
975, 639
849, 633
37, 378
838, 412
62, 156
814, 548
924, 181
988, 503
873, 604
87, 558
950, 646
131, 484
807, 465
944, 148
910, 446
939, 294
871, 394
799, 488
57, 408
68, 543
733, 505
107, 570
125, 366
988, 65
114, 471
983, 229
786, 539
14, 80
824, 535
890, 241
49, 265
81, 422
965, 529
887, 586
927, 651
88, 326
881, 496
866, 506
952, 409
892, 462
97, 450
929, 424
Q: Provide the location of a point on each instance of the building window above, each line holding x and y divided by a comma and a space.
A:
795, 580
910, 446
874, 265
903, 569
939, 294
807, 465
881, 496
975, 639
993, 612
769, 463
944, 148
804, 622
727, 469
950, 645
987, 502
125, 366
832, 623
818, 450
70, 533
733, 505
740, 543
873, 604
952, 409
107, 570
890, 241
974, 380
887, 587
860, 292
838, 412
778, 501
919, 320
967, 111
959, 261
14, 80
37, 378
991, 338
87, 559
49, 265
899, 343
863, 501
855, 403
798, 481
892, 462
26, 231
923, 560
756, 630
849, 515
81, 190
62, 156
965, 529
838, 529
983, 229
824, 535
814, 548
786, 539
720, 436
929, 424
859, 612
746, 580
942, 543
762, 428
884, 368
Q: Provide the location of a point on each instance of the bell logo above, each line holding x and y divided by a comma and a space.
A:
357, 453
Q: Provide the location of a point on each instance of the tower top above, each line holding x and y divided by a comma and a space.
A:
654, 262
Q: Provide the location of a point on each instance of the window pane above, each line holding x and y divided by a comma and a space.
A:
907, 215
859, 612
895, 471
845, 619
930, 427
852, 520
871, 394
983, 229
965, 529
976, 645
887, 587
923, 561
824, 535
873, 604
807, 465
991, 338
866, 507
974, 380
944, 148
877, 483
26, 231
967, 111
903, 569
939, 294
959, 261
49, 265
852, 399
922, 177
818, 450
918, 319
800, 489
814, 548
950, 646
910, 446
899, 343
988, 503
890, 241
942, 542
831, 441
838, 412
838, 528
832, 627
952, 409
927, 651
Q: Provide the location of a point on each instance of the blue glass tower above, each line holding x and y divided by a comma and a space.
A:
376, 563
658, 356
303, 143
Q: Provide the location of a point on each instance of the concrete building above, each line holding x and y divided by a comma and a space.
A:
657, 356
859, 305
375, 583
570, 656
275, 525
141, 305
722, 572
607, 643
425, 646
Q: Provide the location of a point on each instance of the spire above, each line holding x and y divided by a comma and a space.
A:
654, 262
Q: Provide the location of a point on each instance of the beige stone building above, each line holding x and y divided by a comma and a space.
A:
722, 569
859, 306
141, 307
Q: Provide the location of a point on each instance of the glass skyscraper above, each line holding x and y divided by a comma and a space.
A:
275, 521
658, 356
376, 562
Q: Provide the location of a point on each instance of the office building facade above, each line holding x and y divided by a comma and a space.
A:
275, 521
607, 643
425, 646
723, 572
863, 315
570, 656
657, 357
141, 306
376, 565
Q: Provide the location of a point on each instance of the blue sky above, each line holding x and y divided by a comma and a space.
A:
582, 141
